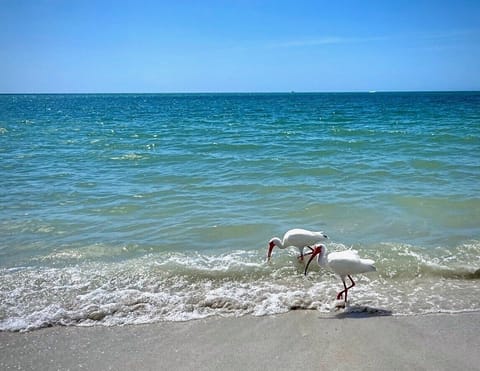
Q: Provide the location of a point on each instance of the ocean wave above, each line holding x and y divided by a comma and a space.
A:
178, 286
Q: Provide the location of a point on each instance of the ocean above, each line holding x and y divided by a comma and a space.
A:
134, 208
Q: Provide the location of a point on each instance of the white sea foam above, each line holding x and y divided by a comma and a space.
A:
180, 287
103, 229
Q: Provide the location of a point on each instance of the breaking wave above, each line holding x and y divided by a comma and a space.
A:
180, 286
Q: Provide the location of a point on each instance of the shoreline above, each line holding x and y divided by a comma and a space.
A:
302, 340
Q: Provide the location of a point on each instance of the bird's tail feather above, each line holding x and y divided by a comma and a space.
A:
370, 263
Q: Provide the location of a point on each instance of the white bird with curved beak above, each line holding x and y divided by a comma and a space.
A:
343, 263
299, 238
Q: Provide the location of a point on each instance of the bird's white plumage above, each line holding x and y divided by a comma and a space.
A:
348, 262
297, 237
343, 263
302, 237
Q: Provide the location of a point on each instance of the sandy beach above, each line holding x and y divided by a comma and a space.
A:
299, 340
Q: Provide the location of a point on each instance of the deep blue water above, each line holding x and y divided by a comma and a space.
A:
139, 208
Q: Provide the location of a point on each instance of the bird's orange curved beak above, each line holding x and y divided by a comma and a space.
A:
270, 249
316, 250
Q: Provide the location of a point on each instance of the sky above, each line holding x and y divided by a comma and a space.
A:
95, 46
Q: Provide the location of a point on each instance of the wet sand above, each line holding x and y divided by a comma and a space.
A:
299, 340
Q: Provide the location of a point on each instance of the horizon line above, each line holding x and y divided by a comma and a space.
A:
249, 92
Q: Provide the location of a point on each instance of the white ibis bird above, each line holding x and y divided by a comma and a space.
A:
300, 238
343, 263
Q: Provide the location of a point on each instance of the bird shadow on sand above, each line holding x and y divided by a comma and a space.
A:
361, 311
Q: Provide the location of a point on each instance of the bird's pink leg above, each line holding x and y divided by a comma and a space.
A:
349, 287
300, 257
340, 294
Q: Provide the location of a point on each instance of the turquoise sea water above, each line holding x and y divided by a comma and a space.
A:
120, 209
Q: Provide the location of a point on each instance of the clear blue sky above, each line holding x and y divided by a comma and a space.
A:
244, 46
